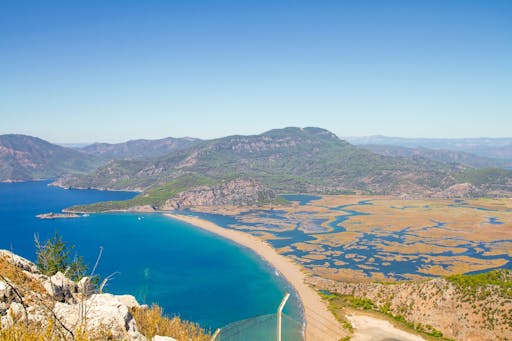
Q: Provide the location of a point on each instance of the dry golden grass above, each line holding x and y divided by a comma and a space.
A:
151, 322
24, 332
18, 278
32, 332
36, 332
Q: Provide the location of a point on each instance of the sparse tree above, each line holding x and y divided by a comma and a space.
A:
54, 256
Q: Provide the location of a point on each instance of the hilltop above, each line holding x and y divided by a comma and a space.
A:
289, 160
189, 171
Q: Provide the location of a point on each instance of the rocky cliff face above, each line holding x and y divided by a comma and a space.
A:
60, 305
240, 192
486, 314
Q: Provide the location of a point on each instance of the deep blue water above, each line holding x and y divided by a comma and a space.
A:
184, 269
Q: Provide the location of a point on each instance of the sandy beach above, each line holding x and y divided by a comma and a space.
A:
320, 323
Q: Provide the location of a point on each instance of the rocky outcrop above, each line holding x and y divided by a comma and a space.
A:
485, 315
240, 192
61, 288
52, 215
100, 311
28, 296
464, 190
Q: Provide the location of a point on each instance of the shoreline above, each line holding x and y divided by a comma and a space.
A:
320, 322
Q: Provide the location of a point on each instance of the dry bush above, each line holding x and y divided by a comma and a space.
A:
151, 322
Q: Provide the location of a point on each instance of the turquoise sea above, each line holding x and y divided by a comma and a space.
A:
186, 270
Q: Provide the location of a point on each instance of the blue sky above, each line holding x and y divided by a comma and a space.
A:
84, 71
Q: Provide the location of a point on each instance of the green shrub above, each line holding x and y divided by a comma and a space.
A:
54, 256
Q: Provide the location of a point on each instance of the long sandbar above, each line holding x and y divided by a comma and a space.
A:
320, 323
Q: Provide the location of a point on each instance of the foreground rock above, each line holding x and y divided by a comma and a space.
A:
58, 304
100, 311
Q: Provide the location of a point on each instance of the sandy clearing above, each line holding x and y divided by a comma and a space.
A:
368, 328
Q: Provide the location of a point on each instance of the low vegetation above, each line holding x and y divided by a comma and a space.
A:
479, 286
154, 197
487, 177
152, 322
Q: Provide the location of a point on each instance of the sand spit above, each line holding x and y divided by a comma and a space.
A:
320, 323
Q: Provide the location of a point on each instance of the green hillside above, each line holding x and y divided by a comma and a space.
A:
309, 160
25, 158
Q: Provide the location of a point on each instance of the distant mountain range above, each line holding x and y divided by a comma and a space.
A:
138, 148
441, 155
498, 148
309, 160
252, 168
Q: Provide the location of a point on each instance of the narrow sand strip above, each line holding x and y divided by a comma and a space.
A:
320, 323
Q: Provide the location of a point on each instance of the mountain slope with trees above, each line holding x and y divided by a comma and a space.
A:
24, 158
308, 160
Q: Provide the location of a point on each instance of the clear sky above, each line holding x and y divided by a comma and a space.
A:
84, 71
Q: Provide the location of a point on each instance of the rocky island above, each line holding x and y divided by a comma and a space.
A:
63, 215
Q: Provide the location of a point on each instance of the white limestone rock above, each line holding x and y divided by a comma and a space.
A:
61, 288
102, 311
128, 300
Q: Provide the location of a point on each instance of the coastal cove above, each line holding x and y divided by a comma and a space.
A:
320, 322
203, 277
